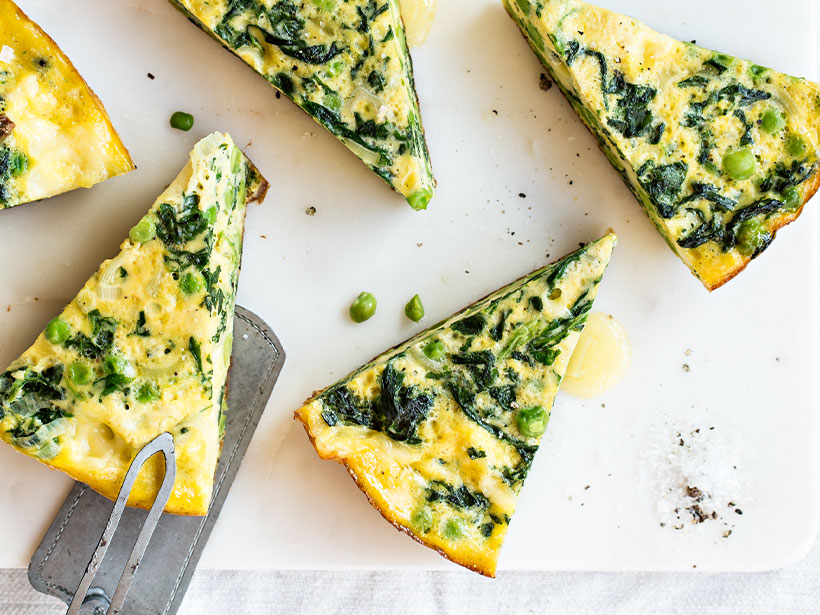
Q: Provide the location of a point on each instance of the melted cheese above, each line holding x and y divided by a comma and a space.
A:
600, 359
62, 134
438, 440
344, 62
145, 347
668, 114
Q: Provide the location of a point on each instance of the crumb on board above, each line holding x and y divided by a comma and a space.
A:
310, 211
151, 76
544, 82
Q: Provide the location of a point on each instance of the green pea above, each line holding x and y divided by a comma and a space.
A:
333, 101
57, 331
414, 310
79, 373
363, 307
419, 199
434, 350
144, 230
335, 68
17, 164
230, 198
182, 121
524, 5
241, 192
211, 214
147, 393
751, 236
739, 164
757, 71
724, 60
116, 364
190, 283
796, 145
325, 5
772, 121
791, 197
532, 422
236, 160
455, 528
422, 520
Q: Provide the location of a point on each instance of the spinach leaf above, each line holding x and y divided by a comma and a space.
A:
471, 325
459, 498
663, 184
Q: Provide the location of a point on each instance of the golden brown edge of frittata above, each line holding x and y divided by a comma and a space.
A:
258, 195
781, 221
115, 136
485, 571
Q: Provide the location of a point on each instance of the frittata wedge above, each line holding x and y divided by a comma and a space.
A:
440, 431
55, 135
145, 346
720, 152
346, 64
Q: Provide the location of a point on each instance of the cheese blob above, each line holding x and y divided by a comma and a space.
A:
600, 359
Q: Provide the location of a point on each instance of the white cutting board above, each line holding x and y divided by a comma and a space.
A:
493, 134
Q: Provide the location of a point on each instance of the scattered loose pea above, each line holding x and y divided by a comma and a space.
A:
363, 307
182, 121
414, 310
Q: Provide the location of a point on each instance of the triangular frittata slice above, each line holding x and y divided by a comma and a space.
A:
345, 63
55, 135
720, 152
145, 346
440, 432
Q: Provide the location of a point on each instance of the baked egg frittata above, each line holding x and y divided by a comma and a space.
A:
55, 135
440, 431
345, 63
145, 346
720, 152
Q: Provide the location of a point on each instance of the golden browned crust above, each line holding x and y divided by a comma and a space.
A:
402, 528
780, 222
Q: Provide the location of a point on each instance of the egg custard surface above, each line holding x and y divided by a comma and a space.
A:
440, 431
145, 346
720, 152
346, 64
55, 135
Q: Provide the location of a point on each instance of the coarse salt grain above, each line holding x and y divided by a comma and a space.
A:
694, 469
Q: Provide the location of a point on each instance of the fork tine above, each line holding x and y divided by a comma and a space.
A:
164, 443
